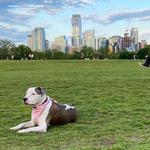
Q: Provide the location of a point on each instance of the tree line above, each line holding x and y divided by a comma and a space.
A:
9, 51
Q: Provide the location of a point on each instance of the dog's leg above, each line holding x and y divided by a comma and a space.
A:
40, 128
23, 125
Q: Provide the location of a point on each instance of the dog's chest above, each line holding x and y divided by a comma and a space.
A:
39, 116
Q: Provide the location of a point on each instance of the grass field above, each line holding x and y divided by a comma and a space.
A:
112, 97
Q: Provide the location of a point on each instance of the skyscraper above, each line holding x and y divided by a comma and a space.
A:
101, 43
46, 44
126, 42
76, 31
115, 44
60, 43
134, 36
30, 42
89, 38
37, 41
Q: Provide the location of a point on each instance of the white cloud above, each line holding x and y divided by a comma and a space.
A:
27, 10
119, 16
10, 26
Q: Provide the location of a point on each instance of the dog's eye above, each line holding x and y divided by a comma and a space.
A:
33, 93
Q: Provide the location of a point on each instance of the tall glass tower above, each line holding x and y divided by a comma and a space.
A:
76, 30
134, 35
38, 36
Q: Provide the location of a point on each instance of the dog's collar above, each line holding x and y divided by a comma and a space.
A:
41, 103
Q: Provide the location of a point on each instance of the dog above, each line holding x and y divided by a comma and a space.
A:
45, 111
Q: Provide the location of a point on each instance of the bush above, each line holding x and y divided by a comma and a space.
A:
143, 52
126, 55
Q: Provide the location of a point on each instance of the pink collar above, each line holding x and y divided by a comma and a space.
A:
37, 111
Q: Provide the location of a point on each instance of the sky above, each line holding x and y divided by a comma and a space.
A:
108, 17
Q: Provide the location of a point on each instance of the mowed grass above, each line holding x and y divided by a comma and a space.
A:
112, 98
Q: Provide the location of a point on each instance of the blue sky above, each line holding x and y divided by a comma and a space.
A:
108, 17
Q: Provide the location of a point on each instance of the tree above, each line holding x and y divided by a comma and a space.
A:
76, 55
87, 52
103, 53
58, 55
6, 49
48, 54
143, 52
126, 55
22, 52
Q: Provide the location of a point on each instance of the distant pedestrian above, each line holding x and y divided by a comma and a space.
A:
134, 57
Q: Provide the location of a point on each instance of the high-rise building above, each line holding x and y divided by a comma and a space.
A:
101, 43
30, 42
36, 41
76, 31
142, 44
60, 43
134, 36
115, 44
89, 38
46, 44
127, 42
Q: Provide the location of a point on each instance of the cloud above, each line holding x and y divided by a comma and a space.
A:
17, 28
145, 19
24, 10
60, 3
50, 6
119, 16
16, 16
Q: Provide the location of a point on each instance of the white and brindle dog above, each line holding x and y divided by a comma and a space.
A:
45, 112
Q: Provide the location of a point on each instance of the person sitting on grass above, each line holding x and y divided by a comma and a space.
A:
147, 62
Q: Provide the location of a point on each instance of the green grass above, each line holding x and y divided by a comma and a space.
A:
112, 98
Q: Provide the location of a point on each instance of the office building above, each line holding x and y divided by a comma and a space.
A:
142, 44
89, 38
30, 42
37, 41
127, 42
134, 36
76, 31
101, 43
115, 44
46, 45
60, 44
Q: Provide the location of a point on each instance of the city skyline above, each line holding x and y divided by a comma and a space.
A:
107, 17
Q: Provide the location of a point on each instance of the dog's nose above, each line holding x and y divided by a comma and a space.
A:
24, 99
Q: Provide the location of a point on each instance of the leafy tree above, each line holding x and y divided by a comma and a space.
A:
87, 52
58, 55
126, 55
103, 53
114, 55
39, 55
48, 54
22, 52
76, 55
143, 52
6, 49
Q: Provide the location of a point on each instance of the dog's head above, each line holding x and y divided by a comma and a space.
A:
34, 95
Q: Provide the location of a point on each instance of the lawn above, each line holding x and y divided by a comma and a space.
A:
112, 97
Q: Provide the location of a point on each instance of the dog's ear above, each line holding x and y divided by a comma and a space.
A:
40, 90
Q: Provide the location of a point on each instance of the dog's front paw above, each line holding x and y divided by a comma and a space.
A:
13, 128
20, 131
